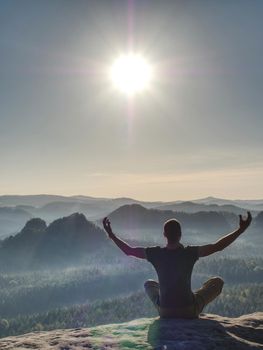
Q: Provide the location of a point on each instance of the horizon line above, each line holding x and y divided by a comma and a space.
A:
126, 197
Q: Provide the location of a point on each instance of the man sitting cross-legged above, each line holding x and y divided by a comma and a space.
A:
173, 296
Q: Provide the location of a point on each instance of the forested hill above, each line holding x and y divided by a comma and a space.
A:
65, 240
137, 217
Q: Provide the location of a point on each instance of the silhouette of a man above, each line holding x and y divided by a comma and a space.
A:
173, 296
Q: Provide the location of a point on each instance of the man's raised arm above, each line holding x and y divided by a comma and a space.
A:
137, 252
225, 241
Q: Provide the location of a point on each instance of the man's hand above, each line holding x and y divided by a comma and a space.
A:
244, 223
107, 227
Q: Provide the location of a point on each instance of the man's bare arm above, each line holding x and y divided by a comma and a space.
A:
137, 252
225, 241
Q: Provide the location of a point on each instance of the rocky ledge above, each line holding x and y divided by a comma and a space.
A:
208, 332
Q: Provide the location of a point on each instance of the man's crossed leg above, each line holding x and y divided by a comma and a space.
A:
203, 296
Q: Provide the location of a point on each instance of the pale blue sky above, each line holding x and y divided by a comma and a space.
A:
64, 129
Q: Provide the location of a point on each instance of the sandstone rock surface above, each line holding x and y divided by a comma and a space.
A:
208, 332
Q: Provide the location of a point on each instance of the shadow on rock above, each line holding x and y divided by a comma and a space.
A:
198, 334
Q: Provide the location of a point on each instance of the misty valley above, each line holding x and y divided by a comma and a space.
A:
58, 268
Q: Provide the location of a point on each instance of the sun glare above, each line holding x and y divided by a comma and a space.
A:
131, 74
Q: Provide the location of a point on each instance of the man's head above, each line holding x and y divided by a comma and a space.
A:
172, 231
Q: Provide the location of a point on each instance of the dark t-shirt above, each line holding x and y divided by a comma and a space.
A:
174, 269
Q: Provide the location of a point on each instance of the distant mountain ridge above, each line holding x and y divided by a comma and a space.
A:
246, 204
50, 207
43, 199
194, 207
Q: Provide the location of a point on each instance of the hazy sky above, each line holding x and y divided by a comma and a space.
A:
196, 132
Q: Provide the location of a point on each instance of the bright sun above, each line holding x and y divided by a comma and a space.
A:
131, 74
